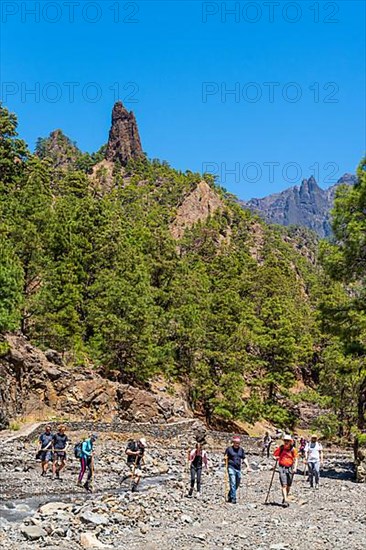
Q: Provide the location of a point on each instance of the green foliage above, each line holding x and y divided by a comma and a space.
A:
327, 425
13, 151
231, 309
343, 308
10, 287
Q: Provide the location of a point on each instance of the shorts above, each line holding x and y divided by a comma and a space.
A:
46, 456
285, 475
134, 469
59, 455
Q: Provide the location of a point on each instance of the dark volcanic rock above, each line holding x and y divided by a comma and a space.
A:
124, 140
308, 205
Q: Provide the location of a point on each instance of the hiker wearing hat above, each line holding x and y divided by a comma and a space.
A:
87, 461
234, 456
314, 459
135, 458
286, 455
197, 458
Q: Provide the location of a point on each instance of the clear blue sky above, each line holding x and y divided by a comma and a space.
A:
177, 59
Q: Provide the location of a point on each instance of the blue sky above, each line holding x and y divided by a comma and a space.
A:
295, 70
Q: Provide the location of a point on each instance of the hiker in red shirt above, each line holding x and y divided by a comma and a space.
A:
286, 455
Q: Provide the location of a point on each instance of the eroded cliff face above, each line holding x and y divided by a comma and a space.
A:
124, 139
201, 203
38, 386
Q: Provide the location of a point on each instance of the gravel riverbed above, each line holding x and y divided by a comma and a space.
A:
40, 512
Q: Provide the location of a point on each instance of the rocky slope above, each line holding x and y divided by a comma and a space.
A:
36, 385
308, 205
160, 515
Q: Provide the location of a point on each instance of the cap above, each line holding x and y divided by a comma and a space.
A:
236, 439
94, 436
314, 436
287, 437
143, 441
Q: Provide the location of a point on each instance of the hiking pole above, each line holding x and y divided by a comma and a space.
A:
270, 485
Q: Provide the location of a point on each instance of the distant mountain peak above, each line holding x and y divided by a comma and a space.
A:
308, 205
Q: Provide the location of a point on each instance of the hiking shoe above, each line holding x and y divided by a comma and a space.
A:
123, 479
198, 495
190, 492
233, 501
134, 488
57, 475
285, 504
79, 484
43, 474
317, 486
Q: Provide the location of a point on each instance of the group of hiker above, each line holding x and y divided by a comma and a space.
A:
53, 449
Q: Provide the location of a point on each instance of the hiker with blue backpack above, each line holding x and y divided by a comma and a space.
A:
85, 451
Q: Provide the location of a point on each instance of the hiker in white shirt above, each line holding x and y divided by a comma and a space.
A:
314, 459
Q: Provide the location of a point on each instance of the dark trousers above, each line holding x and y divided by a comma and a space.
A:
196, 473
84, 464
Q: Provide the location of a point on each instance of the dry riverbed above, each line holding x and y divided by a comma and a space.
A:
41, 513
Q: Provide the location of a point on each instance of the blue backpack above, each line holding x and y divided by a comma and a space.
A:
78, 450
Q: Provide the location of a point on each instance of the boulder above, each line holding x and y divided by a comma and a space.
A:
52, 507
95, 519
33, 532
89, 540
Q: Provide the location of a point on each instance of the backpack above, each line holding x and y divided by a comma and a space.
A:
78, 450
291, 451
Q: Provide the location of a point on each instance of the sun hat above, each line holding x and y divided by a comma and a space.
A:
143, 441
314, 436
287, 437
236, 439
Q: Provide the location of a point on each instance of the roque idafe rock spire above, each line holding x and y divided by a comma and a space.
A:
124, 140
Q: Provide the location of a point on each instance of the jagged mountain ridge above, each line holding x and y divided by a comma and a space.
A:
307, 205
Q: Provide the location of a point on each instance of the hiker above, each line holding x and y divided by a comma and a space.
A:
234, 456
267, 440
314, 459
45, 451
135, 457
197, 458
60, 444
87, 461
286, 455
302, 446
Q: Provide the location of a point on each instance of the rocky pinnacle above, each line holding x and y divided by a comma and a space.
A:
124, 140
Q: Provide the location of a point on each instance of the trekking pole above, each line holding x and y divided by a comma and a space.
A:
270, 485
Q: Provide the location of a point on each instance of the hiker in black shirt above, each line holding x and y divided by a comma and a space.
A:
45, 451
60, 444
234, 456
197, 458
135, 458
